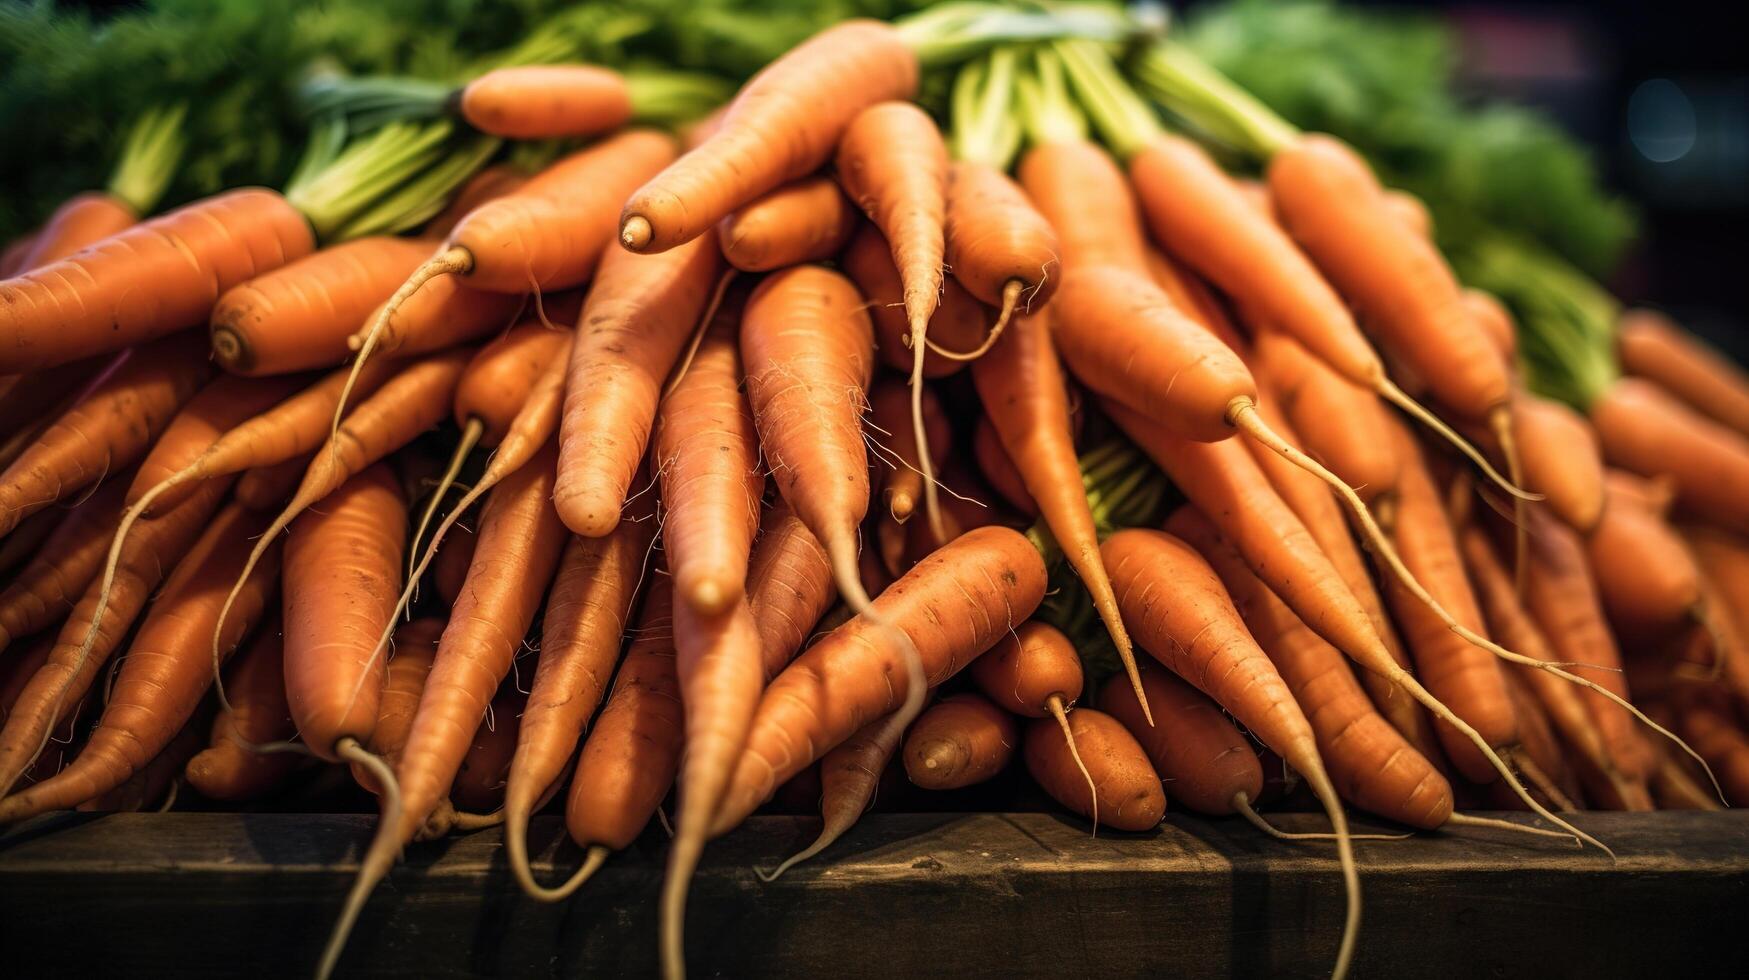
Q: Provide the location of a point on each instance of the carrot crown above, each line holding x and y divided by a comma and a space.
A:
149, 157
985, 129
950, 33
1126, 123
387, 181
1047, 112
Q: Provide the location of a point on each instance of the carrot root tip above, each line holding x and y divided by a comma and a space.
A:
635, 233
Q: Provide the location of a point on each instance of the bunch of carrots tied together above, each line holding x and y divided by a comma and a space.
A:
1245, 445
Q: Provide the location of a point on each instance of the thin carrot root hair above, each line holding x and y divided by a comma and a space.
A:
516, 843
1457, 819
1244, 415
1500, 420
1707, 619
1242, 805
925, 463
451, 261
1010, 301
886, 741
1319, 781
1534, 774
378, 858
1055, 704
470, 437
1389, 391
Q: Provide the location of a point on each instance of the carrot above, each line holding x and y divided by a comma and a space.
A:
488, 184
953, 605
403, 683
479, 781
16, 251
16, 672
442, 313
218, 408
47, 588
999, 471
849, 776
1492, 317
789, 586
807, 220
156, 785
1000, 248
1645, 575
1020, 384
707, 456
1179, 612
97, 625
149, 281
1082, 193
961, 741
109, 429
1035, 673
451, 573
1370, 764
165, 673
588, 610
1648, 431
231, 767
1539, 755
520, 542
1206, 764
26, 540
1562, 460
901, 485
783, 125
81, 221
1653, 347
1343, 425
531, 102
298, 316
1122, 778
31, 396
958, 324
1193, 297
342, 571
1410, 210
269, 487
635, 322
628, 762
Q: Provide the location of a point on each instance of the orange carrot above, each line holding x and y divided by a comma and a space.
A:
849, 776
442, 313
269, 487
637, 319
998, 245
231, 768
534, 102
217, 409
32, 396
1648, 431
151, 280
900, 479
81, 221
999, 471
110, 428
166, 671
47, 587
789, 586
1342, 424
1206, 763
488, 184
479, 782
961, 741
707, 456
1080, 190
958, 325
298, 316
782, 126
953, 605
1492, 317
1035, 672
403, 683
1653, 347
807, 220
1562, 460
26, 540
1647, 578
451, 572
1126, 792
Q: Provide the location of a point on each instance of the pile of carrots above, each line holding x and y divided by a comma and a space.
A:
830, 437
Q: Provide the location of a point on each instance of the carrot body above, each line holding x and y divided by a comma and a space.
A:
489, 183
953, 605
996, 237
148, 281
1370, 763
537, 102
807, 220
892, 162
81, 221
520, 542
1194, 747
960, 741
637, 318
1647, 578
298, 316
110, 428
1653, 347
47, 587
498, 380
479, 782
403, 684
1333, 206
1029, 667
708, 457
229, 768
1466, 677
167, 670
1128, 790
1493, 319
1648, 431
1562, 460
1345, 426
998, 470
789, 586
442, 313
28, 397
889, 422
269, 487
629, 760
343, 566
1203, 218
782, 126
1079, 189
806, 345
958, 324
216, 410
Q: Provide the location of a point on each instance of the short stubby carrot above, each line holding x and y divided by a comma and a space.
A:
536, 102
1653, 347
953, 606
81, 221
636, 320
150, 280
959, 324
783, 125
1126, 792
1035, 672
998, 245
1198, 752
807, 220
1562, 459
231, 767
298, 316
960, 741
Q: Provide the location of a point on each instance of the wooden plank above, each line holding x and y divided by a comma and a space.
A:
1023, 895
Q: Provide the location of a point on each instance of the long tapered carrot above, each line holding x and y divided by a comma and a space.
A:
1340, 422
1648, 431
166, 670
148, 281
707, 456
403, 683
110, 427
527, 102
783, 125
1020, 384
958, 325
47, 587
807, 220
79, 222
1653, 347
789, 585
953, 606
638, 316
230, 767
849, 777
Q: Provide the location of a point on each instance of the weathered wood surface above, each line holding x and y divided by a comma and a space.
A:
983, 895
